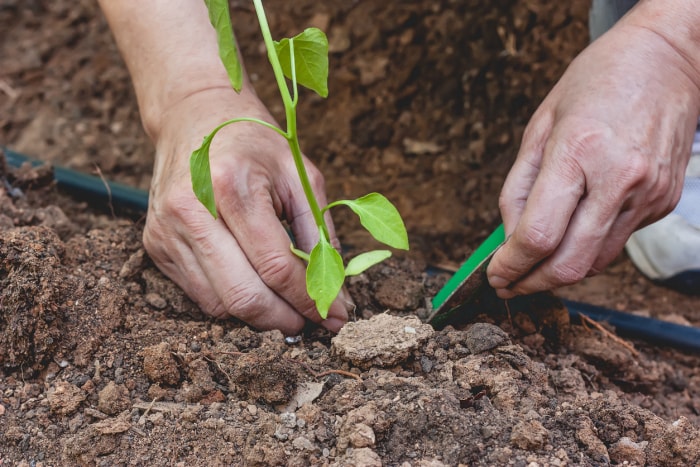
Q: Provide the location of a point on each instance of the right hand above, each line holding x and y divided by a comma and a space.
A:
239, 264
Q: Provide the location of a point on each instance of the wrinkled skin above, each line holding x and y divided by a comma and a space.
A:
603, 155
239, 264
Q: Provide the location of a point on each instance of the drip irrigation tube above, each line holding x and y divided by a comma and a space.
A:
88, 187
122, 196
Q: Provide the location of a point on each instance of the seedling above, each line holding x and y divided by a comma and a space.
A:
303, 60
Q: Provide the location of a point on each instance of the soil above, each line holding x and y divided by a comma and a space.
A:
105, 361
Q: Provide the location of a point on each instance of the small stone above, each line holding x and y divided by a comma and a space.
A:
113, 399
303, 444
133, 265
530, 435
156, 301
288, 420
484, 336
361, 436
364, 457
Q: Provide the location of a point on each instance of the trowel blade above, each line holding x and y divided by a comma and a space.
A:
469, 279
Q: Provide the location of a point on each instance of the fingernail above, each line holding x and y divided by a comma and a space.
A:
333, 324
498, 282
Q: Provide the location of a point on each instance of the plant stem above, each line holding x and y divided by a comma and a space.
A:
291, 117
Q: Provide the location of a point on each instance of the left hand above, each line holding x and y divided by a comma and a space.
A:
603, 155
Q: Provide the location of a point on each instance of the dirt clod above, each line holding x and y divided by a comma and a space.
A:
113, 399
484, 336
384, 340
530, 435
64, 398
160, 365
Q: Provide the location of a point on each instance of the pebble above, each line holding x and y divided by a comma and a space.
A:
484, 336
156, 301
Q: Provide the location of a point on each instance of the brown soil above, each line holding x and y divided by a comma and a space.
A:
105, 361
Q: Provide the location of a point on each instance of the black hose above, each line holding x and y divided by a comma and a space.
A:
649, 329
89, 187
123, 196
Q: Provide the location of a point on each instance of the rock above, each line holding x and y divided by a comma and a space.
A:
133, 265
361, 457
530, 435
113, 399
483, 336
160, 365
304, 444
361, 436
156, 301
65, 398
384, 340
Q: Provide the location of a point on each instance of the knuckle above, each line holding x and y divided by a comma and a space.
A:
567, 274
538, 241
241, 300
215, 309
153, 240
636, 171
276, 269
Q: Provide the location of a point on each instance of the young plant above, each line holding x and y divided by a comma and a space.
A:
303, 60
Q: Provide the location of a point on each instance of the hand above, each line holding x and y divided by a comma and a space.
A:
239, 264
603, 155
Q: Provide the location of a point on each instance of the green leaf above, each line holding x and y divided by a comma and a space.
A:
310, 59
325, 275
380, 218
220, 18
364, 261
200, 171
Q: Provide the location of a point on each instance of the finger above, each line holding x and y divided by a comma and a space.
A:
554, 197
633, 218
306, 235
620, 232
579, 248
523, 174
249, 213
197, 265
240, 290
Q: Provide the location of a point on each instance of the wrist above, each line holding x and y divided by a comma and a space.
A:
211, 102
675, 22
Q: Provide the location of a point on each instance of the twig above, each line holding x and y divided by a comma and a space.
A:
510, 317
148, 409
308, 368
585, 320
337, 372
107, 188
9, 90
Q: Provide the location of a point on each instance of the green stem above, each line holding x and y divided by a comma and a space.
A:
247, 119
291, 117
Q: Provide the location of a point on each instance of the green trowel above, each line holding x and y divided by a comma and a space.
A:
466, 284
